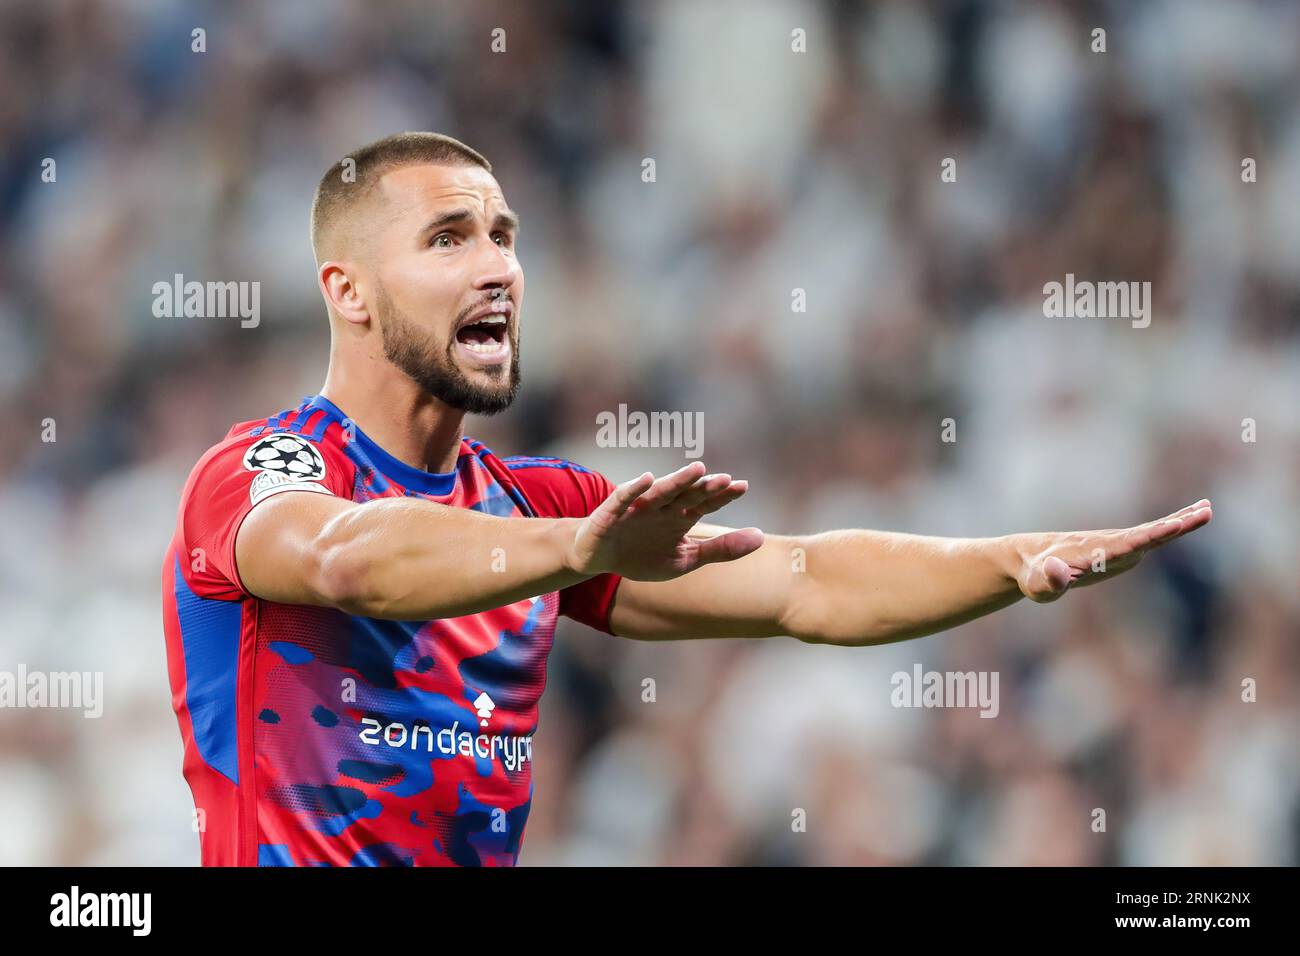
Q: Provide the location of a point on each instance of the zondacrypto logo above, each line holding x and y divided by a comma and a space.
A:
451, 741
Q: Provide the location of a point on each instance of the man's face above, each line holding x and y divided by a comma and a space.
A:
447, 284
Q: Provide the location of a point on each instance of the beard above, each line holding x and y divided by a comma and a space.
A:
415, 352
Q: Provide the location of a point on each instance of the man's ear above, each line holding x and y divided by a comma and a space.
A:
342, 292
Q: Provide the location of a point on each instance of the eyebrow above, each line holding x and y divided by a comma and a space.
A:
506, 220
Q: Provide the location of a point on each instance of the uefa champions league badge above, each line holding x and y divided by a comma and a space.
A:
284, 463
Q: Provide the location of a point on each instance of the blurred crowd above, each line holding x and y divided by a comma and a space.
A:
775, 170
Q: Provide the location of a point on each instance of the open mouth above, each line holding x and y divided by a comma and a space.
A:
487, 340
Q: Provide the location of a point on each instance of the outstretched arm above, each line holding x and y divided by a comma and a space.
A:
413, 559
873, 587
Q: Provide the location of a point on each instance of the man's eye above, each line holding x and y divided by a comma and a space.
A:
503, 236
438, 241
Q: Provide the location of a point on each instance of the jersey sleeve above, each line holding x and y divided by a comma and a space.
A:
232, 479
561, 489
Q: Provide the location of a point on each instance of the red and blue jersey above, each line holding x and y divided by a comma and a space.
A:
314, 737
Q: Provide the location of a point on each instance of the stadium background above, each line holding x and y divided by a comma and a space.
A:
775, 170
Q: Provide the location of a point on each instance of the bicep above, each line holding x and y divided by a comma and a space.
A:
278, 549
748, 597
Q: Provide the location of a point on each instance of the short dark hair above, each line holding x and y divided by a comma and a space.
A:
337, 194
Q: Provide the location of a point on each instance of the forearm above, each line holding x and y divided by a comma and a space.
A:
874, 587
410, 559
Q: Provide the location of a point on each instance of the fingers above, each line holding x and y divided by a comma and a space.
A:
622, 497
729, 546
664, 491
1203, 503
1198, 518
1188, 509
720, 499
1053, 575
1181, 522
702, 490
688, 490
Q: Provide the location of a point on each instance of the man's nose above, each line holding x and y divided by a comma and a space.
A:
497, 270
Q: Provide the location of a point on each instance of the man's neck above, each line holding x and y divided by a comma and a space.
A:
405, 421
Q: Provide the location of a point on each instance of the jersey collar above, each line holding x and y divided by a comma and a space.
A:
415, 479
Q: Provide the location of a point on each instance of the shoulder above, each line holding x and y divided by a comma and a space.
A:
291, 448
559, 488
555, 487
256, 459
517, 463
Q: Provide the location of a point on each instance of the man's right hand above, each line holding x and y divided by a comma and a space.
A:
640, 530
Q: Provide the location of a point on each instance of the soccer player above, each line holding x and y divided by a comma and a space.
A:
359, 599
